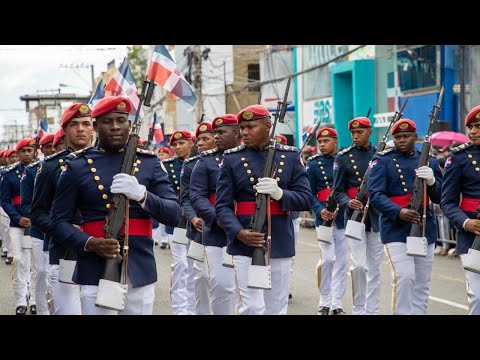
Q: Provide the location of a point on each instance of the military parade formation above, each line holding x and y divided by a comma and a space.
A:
79, 225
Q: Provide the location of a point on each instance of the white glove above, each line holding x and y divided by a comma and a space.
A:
129, 186
426, 172
269, 186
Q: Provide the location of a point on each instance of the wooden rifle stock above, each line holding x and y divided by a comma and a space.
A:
418, 186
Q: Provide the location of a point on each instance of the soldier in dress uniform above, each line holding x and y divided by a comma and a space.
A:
366, 255
4, 219
182, 283
38, 284
204, 141
390, 187
461, 197
239, 180
164, 153
333, 262
202, 195
10, 195
87, 183
76, 131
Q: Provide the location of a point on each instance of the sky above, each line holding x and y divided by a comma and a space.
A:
26, 69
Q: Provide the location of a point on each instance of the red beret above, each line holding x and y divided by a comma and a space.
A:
164, 149
109, 104
473, 116
25, 142
222, 120
7, 153
403, 125
328, 132
58, 137
281, 139
180, 135
48, 137
359, 122
203, 127
253, 112
75, 111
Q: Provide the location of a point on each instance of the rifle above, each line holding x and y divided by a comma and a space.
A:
416, 239
117, 212
358, 217
150, 133
258, 267
324, 232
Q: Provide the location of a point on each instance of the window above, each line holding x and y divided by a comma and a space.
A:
253, 76
418, 67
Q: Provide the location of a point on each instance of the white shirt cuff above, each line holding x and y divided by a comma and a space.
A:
85, 247
465, 223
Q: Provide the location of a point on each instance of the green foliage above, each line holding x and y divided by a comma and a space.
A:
138, 64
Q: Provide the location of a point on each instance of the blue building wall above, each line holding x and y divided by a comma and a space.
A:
353, 92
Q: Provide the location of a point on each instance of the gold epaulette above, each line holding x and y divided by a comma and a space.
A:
235, 149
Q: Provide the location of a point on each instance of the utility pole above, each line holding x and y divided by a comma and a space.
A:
83, 66
197, 79
461, 122
225, 87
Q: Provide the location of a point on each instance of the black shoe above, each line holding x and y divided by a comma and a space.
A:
4, 254
163, 245
33, 309
338, 311
21, 310
9, 260
323, 310
290, 295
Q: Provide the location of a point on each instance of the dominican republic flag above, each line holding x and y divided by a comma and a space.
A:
373, 163
307, 133
335, 166
97, 95
42, 128
123, 84
164, 72
157, 130
448, 163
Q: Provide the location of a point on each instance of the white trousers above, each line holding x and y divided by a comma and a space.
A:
202, 306
366, 256
20, 266
410, 279
472, 282
182, 288
334, 268
222, 287
39, 277
4, 228
138, 301
66, 297
264, 302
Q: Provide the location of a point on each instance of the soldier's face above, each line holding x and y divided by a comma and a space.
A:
12, 158
327, 145
25, 154
474, 133
163, 156
405, 142
226, 137
79, 132
205, 142
60, 146
361, 136
182, 148
47, 149
255, 133
113, 130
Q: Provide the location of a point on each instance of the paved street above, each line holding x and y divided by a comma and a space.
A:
447, 291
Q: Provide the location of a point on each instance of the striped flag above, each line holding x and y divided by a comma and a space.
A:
97, 95
157, 130
164, 72
307, 133
123, 84
42, 128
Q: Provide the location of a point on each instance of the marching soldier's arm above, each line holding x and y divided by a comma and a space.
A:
435, 192
26, 191
42, 199
6, 196
185, 192
378, 184
339, 175
161, 201
298, 195
317, 205
224, 206
199, 193
64, 207
451, 191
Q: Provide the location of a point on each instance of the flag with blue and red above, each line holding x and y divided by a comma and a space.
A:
307, 133
97, 95
42, 128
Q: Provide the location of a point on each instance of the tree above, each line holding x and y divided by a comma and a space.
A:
138, 64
